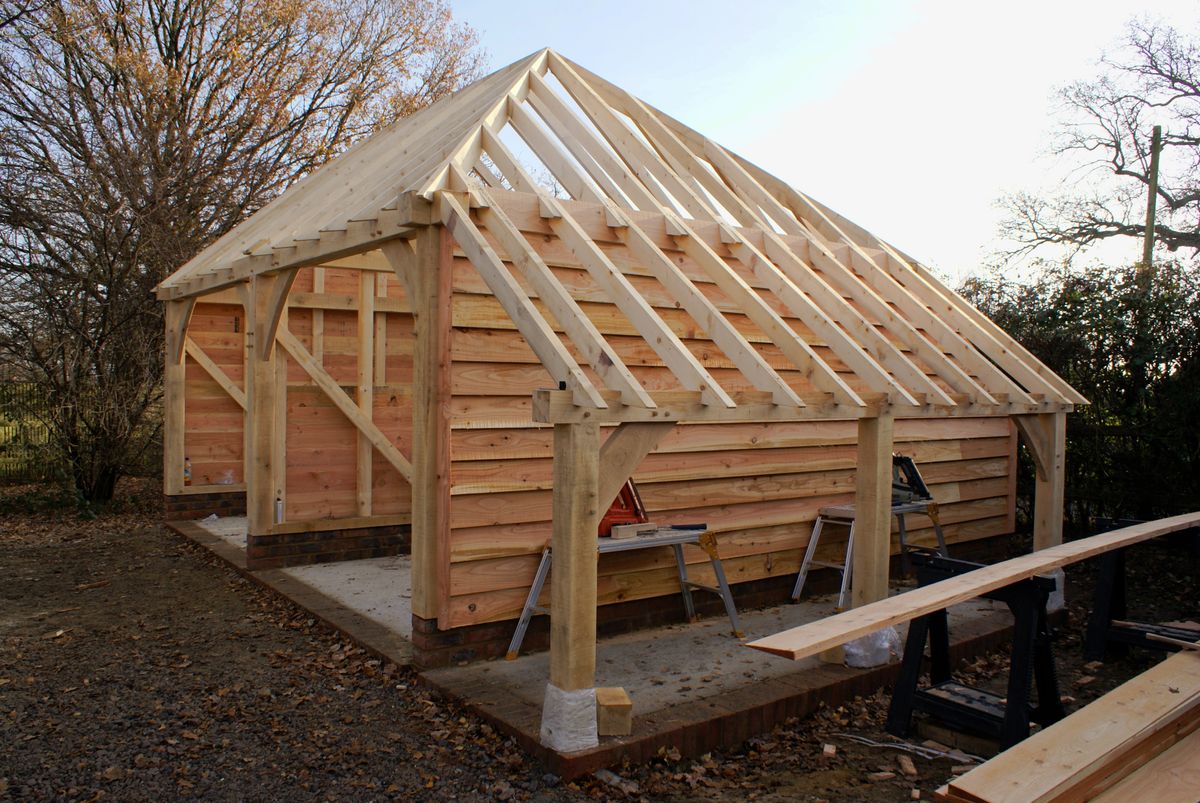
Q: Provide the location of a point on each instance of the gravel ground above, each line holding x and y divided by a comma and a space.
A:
134, 666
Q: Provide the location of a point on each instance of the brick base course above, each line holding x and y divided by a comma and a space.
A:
434, 648
301, 549
200, 506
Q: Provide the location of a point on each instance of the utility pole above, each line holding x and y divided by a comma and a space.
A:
1152, 199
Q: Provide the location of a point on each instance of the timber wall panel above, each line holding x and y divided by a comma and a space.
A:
321, 476
758, 485
212, 419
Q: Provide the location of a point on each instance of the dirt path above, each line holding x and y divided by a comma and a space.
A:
133, 666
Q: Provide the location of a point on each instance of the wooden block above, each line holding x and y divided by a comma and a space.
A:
829, 751
614, 712
632, 530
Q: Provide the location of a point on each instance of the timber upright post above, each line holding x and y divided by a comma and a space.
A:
1046, 436
872, 506
174, 375
261, 319
569, 711
423, 267
872, 525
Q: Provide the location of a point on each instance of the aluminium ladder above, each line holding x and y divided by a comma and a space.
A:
843, 515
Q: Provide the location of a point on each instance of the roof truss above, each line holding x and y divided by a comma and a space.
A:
544, 147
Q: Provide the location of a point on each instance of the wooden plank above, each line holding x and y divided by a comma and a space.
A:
810, 639
621, 454
1076, 757
573, 588
582, 332
542, 339
602, 165
872, 500
343, 402
1173, 776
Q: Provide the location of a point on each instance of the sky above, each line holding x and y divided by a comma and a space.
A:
912, 118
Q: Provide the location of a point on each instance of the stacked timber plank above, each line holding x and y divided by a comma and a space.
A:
1141, 741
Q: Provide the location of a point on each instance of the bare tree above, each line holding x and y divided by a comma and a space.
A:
133, 133
1153, 79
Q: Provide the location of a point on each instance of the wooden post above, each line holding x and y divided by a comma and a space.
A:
177, 314
1050, 489
576, 516
423, 266
261, 486
569, 720
365, 388
872, 505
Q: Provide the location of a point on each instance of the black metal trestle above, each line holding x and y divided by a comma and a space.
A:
963, 707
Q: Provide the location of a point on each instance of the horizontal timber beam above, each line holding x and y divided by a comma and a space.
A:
556, 407
801, 642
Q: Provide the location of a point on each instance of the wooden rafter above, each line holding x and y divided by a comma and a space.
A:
542, 339
898, 338
578, 327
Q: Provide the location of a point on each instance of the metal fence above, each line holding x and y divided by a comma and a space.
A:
25, 454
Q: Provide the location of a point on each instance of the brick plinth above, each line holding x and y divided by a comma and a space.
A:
301, 549
433, 648
181, 507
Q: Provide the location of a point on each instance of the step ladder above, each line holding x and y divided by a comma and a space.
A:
843, 515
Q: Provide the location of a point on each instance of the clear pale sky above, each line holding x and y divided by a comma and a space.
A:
909, 117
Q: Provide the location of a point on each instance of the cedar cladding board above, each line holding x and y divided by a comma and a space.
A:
677, 283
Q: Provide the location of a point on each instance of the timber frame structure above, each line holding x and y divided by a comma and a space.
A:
661, 285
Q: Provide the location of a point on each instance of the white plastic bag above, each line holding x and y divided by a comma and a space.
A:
873, 649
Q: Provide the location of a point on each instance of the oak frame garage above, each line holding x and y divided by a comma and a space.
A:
425, 333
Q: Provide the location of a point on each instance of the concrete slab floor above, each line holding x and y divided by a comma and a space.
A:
675, 664
377, 588
693, 686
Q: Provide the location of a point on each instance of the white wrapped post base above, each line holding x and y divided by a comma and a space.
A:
873, 649
569, 719
1058, 598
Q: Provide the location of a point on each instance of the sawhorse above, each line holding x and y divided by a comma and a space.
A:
964, 707
1105, 630
667, 536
